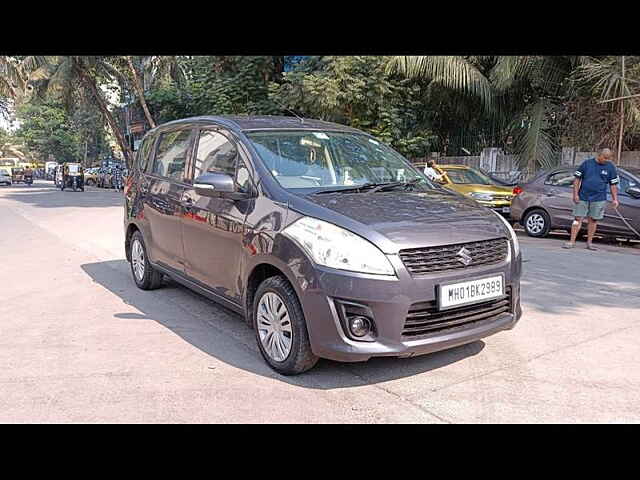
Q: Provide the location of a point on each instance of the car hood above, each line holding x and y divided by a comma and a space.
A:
397, 220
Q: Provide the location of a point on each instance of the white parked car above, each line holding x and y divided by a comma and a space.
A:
5, 176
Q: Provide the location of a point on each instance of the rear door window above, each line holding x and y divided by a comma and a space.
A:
561, 179
144, 153
171, 156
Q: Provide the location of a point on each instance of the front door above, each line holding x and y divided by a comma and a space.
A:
162, 204
214, 227
629, 208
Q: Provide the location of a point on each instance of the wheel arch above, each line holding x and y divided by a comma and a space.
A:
258, 274
537, 207
131, 229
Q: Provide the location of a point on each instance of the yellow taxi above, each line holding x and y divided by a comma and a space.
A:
475, 184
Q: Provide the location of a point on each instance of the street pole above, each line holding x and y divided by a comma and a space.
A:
621, 116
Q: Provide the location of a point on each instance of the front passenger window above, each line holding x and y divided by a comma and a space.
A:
215, 154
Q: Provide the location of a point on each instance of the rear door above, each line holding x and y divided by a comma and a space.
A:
162, 202
557, 197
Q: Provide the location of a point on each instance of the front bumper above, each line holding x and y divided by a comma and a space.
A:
390, 301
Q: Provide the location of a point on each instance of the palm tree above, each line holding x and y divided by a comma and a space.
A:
517, 93
65, 75
15, 74
614, 79
145, 71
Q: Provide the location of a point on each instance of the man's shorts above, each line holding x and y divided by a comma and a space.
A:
594, 210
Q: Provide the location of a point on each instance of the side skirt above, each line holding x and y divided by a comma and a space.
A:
183, 280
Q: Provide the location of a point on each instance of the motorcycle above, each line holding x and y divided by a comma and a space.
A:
28, 179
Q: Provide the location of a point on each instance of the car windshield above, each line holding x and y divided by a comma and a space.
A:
468, 176
314, 161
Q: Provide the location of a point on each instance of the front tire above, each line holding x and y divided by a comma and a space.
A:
281, 329
537, 223
144, 275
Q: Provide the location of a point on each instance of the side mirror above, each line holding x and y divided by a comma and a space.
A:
217, 185
634, 192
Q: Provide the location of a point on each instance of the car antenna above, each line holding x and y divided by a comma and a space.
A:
298, 116
291, 111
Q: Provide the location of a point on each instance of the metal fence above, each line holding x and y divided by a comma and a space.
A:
505, 167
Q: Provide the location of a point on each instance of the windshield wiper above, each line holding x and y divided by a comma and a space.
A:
355, 188
375, 187
384, 186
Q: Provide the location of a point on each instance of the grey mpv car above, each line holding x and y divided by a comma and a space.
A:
326, 240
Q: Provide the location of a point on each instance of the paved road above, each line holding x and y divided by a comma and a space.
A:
80, 343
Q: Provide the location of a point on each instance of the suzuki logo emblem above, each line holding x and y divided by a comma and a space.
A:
464, 256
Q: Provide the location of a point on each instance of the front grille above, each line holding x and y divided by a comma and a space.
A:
438, 259
424, 318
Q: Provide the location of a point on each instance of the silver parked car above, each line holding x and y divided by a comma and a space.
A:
5, 176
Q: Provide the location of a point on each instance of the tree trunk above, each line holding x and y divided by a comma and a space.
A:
278, 68
138, 87
621, 117
90, 83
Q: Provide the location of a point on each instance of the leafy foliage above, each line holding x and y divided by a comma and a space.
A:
528, 105
47, 130
360, 92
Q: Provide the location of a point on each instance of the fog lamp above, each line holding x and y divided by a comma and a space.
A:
359, 326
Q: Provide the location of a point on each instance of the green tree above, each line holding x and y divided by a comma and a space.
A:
71, 76
46, 130
517, 95
360, 92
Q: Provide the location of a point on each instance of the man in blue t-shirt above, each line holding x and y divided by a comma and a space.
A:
593, 177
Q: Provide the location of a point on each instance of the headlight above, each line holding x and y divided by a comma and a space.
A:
512, 232
335, 247
487, 197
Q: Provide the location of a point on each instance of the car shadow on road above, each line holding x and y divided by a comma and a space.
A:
45, 195
224, 335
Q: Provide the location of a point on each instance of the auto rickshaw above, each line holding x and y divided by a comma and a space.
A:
72, 176
17, 174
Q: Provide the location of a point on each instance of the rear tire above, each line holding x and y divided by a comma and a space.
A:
144, 275
537, 223
299, 357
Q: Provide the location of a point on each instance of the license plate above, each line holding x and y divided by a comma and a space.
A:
471, 291
506, 209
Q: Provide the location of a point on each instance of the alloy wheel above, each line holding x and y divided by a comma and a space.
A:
137, 259
274, 326
535, 223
